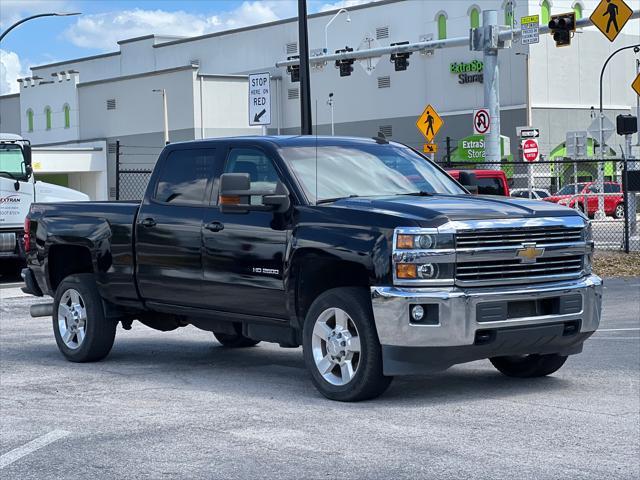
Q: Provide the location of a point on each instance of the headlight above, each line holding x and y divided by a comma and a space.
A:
424, 241
423, 256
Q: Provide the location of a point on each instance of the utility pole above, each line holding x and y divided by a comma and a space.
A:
305, 78
491, 84
330, 103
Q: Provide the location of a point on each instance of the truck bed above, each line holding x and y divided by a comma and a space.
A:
105, 229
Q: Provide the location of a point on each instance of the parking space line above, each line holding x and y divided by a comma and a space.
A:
631, 329
36, 444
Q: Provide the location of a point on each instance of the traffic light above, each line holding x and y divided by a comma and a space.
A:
401, 60
562, 27
346, 65
294, 70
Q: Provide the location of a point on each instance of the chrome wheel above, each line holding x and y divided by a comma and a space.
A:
619, 211
72, 319
336, 346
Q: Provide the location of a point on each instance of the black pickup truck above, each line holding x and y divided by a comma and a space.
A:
360, 250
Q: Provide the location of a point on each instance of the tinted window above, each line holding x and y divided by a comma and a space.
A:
594, 189
490, 186
262, 173
520, 194
542, 193
184, 175
611, 188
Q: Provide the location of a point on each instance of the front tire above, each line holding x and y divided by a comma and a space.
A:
341, 347
529, 366
82, 331
619, 211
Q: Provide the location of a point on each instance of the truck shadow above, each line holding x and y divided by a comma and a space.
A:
282, 371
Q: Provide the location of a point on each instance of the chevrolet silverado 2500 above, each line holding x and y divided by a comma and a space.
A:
361, 250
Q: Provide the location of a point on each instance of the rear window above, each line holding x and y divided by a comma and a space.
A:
490, 186
611, 188
184, 176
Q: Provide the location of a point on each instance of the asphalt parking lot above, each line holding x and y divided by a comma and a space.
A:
178, 405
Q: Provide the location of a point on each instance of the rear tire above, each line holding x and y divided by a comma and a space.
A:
529, 366
235, 340
82, 331
341, 347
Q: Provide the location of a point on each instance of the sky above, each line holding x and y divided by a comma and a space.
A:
104, 22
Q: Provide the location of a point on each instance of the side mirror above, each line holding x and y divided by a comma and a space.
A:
26, 154
469, 181
235, 195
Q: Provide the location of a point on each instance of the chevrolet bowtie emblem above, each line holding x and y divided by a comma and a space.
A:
529, 253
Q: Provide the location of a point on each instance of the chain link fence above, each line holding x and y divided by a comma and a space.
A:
134, 166
565, 181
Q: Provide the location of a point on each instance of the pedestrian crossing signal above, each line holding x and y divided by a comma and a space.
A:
562, 27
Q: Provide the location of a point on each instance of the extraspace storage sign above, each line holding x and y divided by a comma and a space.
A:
260, 99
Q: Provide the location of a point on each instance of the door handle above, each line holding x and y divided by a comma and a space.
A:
214, 226
148, 222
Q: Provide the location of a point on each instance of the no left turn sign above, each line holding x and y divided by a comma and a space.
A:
481, 121
530, 150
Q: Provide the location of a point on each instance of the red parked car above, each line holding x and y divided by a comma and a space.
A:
613, 199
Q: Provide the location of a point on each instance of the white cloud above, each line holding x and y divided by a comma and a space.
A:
103, 30
10, 70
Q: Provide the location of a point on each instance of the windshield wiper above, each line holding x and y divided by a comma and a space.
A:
11, 175
421, 193
330, 200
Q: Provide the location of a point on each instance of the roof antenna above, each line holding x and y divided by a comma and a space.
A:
381, 138
316, 130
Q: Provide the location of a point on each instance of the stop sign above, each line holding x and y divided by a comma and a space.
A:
530, 150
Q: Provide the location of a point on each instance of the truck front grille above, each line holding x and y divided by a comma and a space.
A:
510, 237
514, 271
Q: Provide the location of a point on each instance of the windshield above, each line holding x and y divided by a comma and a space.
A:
11, 162
364, 170
571, 189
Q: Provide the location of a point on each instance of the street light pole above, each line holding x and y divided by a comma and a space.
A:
600, 213
20, 22
165, 114
326, 27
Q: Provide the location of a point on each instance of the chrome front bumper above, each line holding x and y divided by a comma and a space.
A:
457, 311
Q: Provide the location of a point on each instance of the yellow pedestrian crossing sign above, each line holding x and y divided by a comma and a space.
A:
610, 16
429, 123
636, 84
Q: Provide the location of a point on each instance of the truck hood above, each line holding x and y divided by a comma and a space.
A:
455, 207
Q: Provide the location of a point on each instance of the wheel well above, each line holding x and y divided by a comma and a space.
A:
65, 260
320, 275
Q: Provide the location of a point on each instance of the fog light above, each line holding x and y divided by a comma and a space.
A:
417, 313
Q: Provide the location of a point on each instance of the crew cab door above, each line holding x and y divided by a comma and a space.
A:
243, 256
169, 228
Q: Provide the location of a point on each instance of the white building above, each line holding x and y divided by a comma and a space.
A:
108, 98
